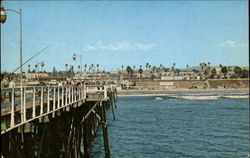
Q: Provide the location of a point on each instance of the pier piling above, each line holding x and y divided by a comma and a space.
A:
58, 122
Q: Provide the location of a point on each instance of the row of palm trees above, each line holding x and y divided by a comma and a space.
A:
90, 68
37, 67
204, 68
149, 67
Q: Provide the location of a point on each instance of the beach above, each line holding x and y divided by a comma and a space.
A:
234, 93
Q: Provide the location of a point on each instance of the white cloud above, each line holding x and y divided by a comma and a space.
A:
230, 43
118, 46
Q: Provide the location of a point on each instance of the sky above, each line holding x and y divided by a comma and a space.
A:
115, 33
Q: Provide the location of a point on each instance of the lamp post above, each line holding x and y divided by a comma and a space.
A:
3, 19
74, 58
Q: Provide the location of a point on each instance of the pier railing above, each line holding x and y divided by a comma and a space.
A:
40, 101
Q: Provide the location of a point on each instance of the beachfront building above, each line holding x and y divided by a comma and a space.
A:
185, 75
35, 75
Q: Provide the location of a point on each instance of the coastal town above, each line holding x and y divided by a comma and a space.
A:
145, 77
121, 79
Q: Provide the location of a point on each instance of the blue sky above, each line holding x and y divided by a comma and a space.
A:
115, 33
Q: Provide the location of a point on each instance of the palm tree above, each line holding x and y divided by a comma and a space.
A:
134, 68
71, 69
97, 66
66, 65
205, 65
154, 68
209, 68
160, 67
29, 68
187, 67
147, 65
42, 64
202, 66
36, 67
220, 68
140, 71
85, 67
122, 67
173, 67
129, 70
79, 67
224, 71
92, 67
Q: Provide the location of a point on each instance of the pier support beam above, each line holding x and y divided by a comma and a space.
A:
104, 130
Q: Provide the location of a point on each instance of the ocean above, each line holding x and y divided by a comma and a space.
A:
176, 128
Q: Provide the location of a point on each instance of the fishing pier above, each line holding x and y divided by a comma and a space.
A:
55, 121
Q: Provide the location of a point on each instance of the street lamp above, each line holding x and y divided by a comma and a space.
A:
74, 58
3, 19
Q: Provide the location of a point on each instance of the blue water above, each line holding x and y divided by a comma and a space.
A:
148, 128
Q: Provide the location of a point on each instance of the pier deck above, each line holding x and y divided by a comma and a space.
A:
37, 102
54, 121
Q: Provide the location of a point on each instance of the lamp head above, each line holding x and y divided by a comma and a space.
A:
74, 56
3, 15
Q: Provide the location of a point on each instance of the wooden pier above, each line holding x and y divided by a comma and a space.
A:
54, 121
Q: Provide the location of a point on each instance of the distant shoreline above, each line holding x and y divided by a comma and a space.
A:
182, 91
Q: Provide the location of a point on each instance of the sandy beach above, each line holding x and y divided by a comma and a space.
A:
206, 93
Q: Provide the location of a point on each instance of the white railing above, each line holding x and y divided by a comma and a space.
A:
41, 101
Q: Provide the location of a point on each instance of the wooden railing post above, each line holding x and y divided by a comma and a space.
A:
54, 101
75, 93
72, 95
12, 119
80, 91
66, 96
21, 93
34, 103
62, 96
105, 91
84, 91
58, 97
48, 101
24, 104
69, 95
41, 106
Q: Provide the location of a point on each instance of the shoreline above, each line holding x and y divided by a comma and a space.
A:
169, 92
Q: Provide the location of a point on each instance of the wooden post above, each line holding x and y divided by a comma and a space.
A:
34, 103
105, 131
63, 96
24, 104
105, 91
85, 138
69, 95
54, 101
48, 108
112, 106
72, 94
84, 91
66, 96
12, 120
41, 106
58, 97
74, 90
